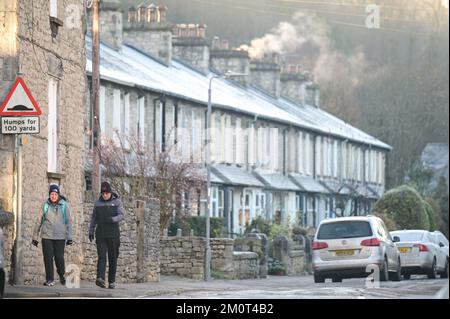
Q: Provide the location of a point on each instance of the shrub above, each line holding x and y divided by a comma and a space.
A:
275, 267
388, 221
298, 230
198, 224
404, 206
259, 225
432, 209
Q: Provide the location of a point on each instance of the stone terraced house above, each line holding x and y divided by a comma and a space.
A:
275, 152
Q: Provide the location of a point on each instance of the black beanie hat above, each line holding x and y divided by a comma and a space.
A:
53, 189
106, 187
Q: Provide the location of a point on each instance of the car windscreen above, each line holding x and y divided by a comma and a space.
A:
345, 229
409, 236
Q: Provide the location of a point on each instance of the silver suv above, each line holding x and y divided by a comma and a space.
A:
346, 247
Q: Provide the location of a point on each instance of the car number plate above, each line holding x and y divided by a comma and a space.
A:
348, 252
404, 250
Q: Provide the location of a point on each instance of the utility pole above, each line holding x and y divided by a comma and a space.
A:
95, 96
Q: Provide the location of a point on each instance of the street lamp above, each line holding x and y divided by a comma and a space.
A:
207, 275
208, 183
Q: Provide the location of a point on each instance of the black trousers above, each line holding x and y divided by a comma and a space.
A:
53, 250
107, 247
2, 283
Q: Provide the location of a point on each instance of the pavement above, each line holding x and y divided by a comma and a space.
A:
272, 287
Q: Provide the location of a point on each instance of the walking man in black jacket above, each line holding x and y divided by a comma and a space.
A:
108, 212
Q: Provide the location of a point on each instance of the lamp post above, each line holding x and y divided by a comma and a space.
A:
207, 270
207, 274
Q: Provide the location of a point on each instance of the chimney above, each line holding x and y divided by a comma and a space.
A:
293, 83
224, 60
313, 95
190, 46
111, 24
265, 74
147, 30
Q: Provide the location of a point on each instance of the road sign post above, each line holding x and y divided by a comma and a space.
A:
19, 114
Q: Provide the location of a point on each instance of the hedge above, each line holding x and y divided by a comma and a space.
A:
405, 207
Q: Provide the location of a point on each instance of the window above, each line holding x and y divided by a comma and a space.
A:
102, 106
126, 119
141, 121
54, 8
52, 126
116, 116
220, 203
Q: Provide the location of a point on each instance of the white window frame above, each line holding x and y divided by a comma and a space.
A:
102, 110
53, 8
141, 121
117, 115
52, 126
126, 119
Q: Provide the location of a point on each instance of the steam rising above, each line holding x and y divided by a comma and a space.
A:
309, 31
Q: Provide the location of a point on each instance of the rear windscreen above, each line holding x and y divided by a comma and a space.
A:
409, 236
346, 229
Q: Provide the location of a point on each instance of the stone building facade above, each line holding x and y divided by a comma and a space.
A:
275, 153
44, 43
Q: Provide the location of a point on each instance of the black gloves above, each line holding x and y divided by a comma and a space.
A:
91, 238
69, 242
35, 242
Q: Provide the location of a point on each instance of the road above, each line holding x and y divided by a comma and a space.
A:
419, 287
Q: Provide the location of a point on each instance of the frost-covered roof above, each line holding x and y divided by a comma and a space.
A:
234, 175
276, 181
308, 184
130, 67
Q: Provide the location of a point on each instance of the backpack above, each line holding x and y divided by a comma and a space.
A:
45, 210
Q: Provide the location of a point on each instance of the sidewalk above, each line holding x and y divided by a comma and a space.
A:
166, 286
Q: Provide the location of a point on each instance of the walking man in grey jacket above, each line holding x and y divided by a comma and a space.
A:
108, 212
54, 226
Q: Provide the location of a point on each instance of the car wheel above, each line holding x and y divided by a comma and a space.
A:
396, 276
384, 273
407, 276
336, 279
432, 273
318, 279
444, 274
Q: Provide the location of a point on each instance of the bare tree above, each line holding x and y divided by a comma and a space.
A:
159, 175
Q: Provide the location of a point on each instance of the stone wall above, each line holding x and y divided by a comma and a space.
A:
183, 256
222, 257
245, 264
292, 256
139, 246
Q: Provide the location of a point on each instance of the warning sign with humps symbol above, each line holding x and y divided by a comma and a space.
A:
19, 101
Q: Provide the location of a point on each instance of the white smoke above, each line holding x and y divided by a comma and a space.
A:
304, 32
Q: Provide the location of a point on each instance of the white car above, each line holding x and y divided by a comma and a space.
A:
350, 247
422, 252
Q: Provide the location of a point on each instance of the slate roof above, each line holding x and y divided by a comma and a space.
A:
132, 68
308, 184
276, 181
234, 175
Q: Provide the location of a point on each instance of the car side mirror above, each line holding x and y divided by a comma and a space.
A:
441, 245
396, 239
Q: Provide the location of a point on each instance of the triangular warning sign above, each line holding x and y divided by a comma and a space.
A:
19, 101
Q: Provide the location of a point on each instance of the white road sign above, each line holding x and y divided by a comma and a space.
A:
20, 125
